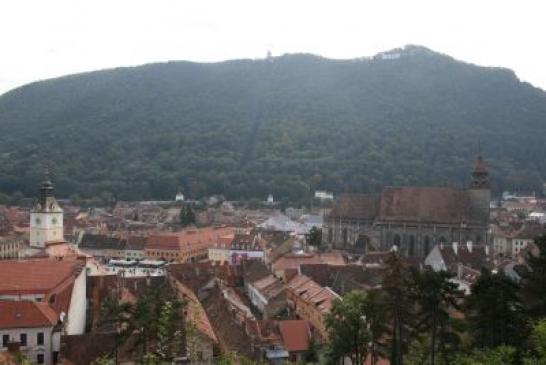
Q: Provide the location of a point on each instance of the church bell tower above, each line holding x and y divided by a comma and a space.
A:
480, 190
480, 175
46, 218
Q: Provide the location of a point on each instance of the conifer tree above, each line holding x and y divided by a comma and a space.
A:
398, 306
534, 282
494, 311
435, 297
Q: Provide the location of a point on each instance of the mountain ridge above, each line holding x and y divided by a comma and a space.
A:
249, 127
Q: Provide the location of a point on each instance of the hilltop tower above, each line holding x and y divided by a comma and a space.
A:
46, 218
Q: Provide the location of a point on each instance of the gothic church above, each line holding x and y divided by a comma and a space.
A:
414, 219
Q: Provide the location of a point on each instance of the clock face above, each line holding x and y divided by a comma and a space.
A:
38, 221
54, 221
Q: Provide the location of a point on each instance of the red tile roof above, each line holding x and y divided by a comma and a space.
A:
26, 314
295, 335
187, 239
36, 275
293, 261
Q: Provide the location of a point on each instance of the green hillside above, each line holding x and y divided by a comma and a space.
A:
245, 128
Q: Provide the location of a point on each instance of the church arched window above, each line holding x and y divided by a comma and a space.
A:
427, 245
396, 240
411, 251
344, 235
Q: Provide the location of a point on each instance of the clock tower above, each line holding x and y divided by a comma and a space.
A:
46, 218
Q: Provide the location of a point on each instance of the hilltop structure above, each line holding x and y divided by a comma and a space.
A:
414, 219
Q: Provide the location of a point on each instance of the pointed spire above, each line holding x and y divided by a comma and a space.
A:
47, 188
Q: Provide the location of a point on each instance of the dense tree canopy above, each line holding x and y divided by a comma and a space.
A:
284, 126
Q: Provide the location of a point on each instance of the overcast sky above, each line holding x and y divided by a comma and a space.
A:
46, 38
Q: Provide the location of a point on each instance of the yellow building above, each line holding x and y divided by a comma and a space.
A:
10, 247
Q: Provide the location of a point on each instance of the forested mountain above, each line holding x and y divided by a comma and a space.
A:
285, 125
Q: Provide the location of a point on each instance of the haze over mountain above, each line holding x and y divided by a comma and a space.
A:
285, 125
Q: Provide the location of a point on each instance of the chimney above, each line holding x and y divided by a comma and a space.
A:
469, 246
455, 247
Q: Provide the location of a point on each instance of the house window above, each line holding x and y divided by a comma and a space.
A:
23, 339
40, 359
5, 340
40, 338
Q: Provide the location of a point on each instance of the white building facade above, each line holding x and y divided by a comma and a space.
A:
46, 218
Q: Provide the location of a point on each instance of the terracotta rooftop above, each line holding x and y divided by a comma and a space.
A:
102, 242
295, 335
310, 291
36, 275
293, 261
254, 270
343, 279
269, 286
26, 314
189, 238
136, 243
474, 258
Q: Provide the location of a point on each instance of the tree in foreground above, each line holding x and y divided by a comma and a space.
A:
311, 356
537, 340
398, 306
534, 282
494, 311
356, 325
502, 355
435, 297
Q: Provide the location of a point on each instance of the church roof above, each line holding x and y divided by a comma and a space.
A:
441, 205
429, 204
357, 206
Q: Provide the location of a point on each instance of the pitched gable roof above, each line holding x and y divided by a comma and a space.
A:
474, 258
36, 275
101, 242
358, 206
430, 204
411, 204
295, 335
26, 314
